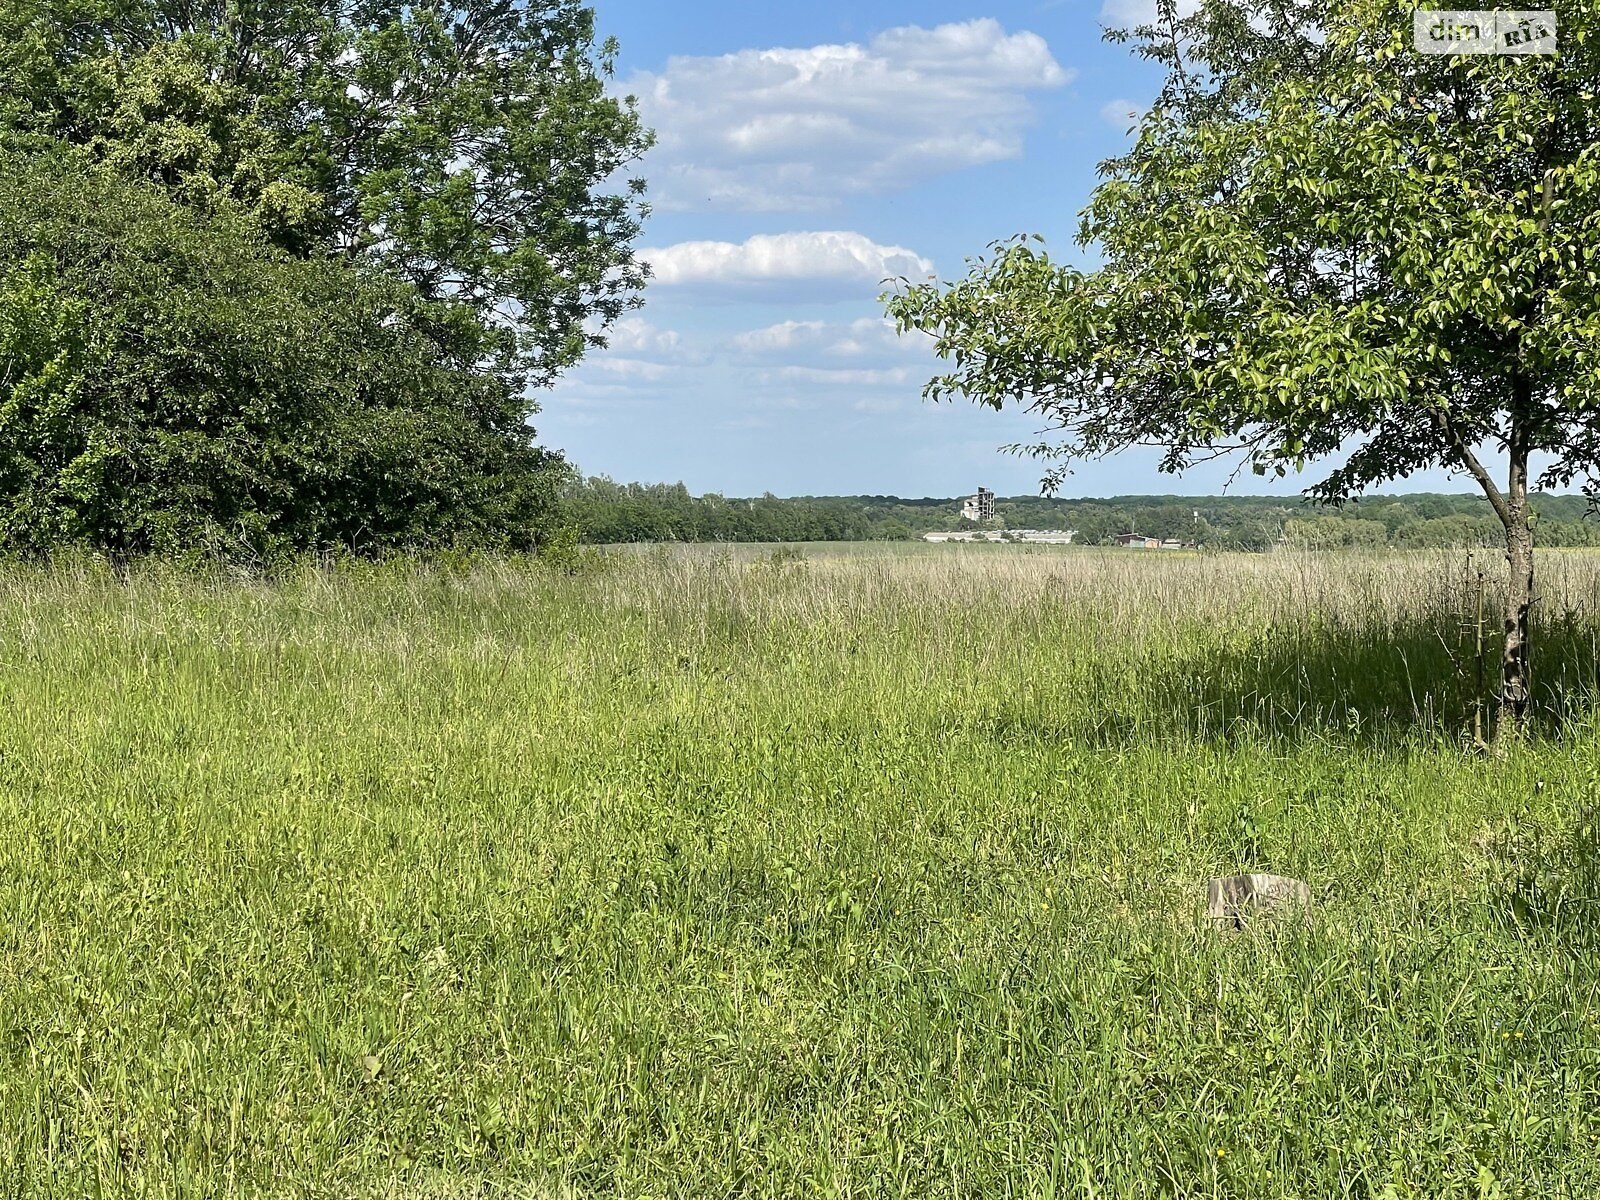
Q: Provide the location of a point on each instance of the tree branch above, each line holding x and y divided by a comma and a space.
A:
1474, 467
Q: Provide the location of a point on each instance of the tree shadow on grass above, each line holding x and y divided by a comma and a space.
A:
1345, 685
1544, 882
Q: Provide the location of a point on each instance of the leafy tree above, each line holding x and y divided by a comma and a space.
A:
464, 147
1322, 241
170, 383
279, 275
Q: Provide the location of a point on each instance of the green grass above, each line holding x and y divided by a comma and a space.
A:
871, 875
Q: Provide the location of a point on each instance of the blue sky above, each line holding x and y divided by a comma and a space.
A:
806, 151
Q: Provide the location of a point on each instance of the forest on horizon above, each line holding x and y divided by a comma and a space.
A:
604, 511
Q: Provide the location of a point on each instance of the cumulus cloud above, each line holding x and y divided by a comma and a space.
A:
814, 265
636, 353
632, 368
799, 129
578, 391
636, 336
870, 338
640, 352
826, 356
879, 404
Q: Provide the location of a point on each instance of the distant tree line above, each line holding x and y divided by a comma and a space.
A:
608, 512
604, 511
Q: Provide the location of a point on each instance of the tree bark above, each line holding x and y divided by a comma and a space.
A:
1511, 506
1516, 679
1515, 674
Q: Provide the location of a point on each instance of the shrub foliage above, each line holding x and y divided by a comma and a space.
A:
278, 278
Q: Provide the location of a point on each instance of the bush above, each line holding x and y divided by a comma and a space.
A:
170, 383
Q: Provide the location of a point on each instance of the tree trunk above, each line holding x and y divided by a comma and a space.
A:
1515, 671
1514, 668
1511, 506
1515, 682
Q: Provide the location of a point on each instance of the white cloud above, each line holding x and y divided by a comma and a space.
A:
632, 368
813, 265
577, 391
827, 359
638, 337
868, 338
781, 339
879, 404
637, 353
1130, 14
1122, 115
799, 129
835, 376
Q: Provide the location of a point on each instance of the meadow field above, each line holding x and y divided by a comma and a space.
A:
713, 874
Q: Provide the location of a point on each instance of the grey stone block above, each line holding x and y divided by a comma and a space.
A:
1234, 899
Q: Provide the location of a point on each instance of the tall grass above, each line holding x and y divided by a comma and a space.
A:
716, 874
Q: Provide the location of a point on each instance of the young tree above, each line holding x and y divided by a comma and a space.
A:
1324, 245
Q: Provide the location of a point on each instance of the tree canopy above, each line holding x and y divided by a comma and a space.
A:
466, 147
1323, 245
281, 275
172, 385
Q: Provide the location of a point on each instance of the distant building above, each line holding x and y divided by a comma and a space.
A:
1053, 537
967, 535
1048, 537
1139, 541
979, 507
